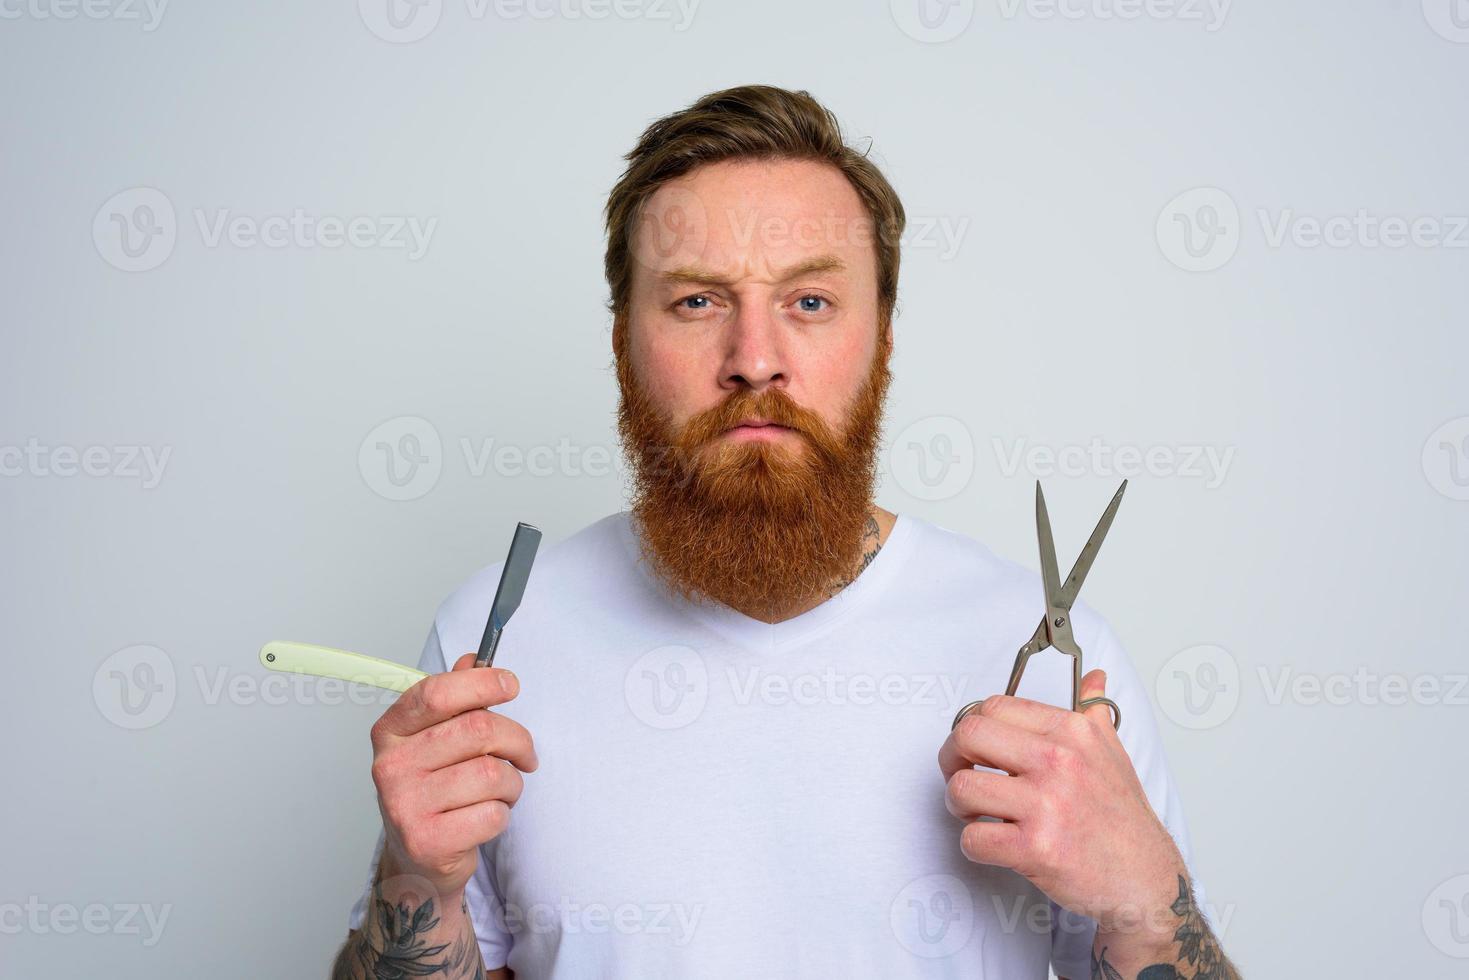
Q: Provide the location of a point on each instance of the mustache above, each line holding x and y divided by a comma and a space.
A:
771, 405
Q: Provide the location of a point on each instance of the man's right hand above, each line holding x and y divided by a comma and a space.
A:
446, 776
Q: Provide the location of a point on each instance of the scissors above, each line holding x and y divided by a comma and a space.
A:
1055, 627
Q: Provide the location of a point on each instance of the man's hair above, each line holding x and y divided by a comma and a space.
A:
758, 122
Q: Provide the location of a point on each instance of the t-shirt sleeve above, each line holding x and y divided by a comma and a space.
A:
483, 898
1071, 934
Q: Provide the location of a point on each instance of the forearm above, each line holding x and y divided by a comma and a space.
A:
410, 932
1173, 943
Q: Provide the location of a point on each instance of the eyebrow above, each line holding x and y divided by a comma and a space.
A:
699, 274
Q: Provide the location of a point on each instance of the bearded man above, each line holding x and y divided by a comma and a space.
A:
740, 683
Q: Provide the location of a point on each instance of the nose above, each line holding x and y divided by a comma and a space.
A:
754, 354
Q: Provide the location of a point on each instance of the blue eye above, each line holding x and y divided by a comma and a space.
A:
809, 309
694, 299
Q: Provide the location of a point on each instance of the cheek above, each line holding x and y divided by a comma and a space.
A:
671, 377
835, 374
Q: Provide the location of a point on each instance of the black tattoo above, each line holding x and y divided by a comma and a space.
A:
405, 952
1101, 969
871, 535
1197, 948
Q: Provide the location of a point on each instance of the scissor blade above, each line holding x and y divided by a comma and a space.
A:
1050, 577
1083, 565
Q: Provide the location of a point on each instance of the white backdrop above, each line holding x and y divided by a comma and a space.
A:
1219, 248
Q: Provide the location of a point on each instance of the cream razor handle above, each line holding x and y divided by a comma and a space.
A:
307, 658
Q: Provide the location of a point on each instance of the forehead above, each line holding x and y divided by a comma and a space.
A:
751, 219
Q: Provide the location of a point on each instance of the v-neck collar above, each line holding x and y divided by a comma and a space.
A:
763, 637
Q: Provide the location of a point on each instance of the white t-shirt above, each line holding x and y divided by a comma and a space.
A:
722, 797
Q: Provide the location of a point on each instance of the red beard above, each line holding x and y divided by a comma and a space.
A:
761, 526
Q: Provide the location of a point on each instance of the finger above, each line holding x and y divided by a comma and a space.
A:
474, 781
1033, 716
987, 741
464, 662
471, 735
988, 842
439, 697
470, 826
1094, 685
975, 793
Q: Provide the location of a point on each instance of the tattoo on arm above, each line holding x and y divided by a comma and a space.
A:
1198, 950
406, 952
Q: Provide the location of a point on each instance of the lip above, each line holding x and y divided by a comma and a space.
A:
757, 429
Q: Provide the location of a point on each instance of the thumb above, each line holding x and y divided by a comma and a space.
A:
1094, 685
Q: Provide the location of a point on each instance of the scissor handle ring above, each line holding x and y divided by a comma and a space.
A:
1116, 711
971, 706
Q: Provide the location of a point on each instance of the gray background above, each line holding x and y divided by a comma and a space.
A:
1331, 549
